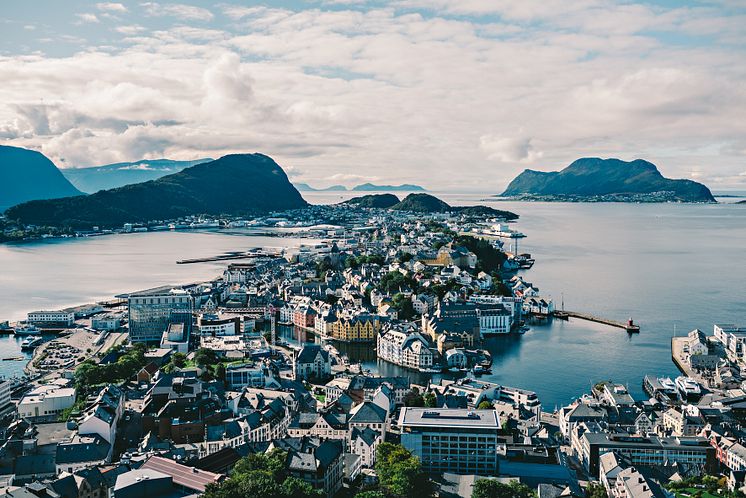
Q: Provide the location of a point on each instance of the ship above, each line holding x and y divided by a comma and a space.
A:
481, 369
688, 389
26, 330
31, 342
662, 388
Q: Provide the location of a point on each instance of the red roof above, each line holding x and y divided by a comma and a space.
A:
188, 477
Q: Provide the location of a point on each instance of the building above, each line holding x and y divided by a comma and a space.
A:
103, 416
176, 338
5, 397
733, 339
364, 443
189, 480
46, 403
452, 440
82, 452
51, 318
151, 311
106, 322
217, 325
360, 327
312, 362
401, 345
694, 452
316, 461
240, 375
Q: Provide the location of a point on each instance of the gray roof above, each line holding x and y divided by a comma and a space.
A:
368, 412
83, 449
449, 417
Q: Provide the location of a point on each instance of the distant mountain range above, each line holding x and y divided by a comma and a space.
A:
95, 178
235, 184
365, 187
595, 179
28, 175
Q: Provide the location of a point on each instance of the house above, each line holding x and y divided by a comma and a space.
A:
312, 362
317, 462
364, 442
82, 452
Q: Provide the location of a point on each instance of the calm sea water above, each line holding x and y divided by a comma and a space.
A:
664, 265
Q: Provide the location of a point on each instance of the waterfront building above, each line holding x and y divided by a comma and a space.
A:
476, 391
733, 339
358, 327
51, 318
312, 362
218, 325
452, 440
151, 311
401, 345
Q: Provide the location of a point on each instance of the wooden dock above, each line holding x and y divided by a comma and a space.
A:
629, 326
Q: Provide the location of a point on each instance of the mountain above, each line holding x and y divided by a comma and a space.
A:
304, 187
369, 187
426, 203
236, 184
110, 176
383, 201
27, 175
592, 178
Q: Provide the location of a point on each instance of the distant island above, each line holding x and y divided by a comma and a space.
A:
235, 184
365, 187
27, 175
382, 201
593, 179
94, 178
370, 187
426, 203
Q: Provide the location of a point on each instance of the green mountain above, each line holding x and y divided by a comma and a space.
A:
95, 178
236, 184
369, 187
27, 175
426, 203
383, 201
592, 178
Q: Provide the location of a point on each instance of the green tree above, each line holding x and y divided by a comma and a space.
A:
404, 306
595, 490
370, 494
205, 356
490, 488
485, 405
414, 398
430, 400
178, 360
400, 473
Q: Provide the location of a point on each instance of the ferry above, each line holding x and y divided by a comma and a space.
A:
31, 342
661, 387
26, 330
524, 261
688, 389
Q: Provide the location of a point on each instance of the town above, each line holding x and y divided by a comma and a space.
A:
241, 386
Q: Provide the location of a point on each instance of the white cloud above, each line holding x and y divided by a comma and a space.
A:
129, 30
178, 10
509, 149
111, 7
87, 18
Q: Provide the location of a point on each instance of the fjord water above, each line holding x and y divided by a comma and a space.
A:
661, 264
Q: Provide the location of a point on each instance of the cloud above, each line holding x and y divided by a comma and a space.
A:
509, 149
111, 7
129, 30
178, 10
87, 18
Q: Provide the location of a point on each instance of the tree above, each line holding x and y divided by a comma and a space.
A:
205, 356
403, 305
400, 473
370, 494
430, 400
595, 490
485, 405
220, 371
490, 488
414, 398
178, 360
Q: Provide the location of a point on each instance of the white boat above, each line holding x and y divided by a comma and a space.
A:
26, 330
31, 342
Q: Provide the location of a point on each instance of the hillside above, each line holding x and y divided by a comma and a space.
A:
383, 201
27, 175
369, 187
232, 185
110, 176
607, 179
426, 203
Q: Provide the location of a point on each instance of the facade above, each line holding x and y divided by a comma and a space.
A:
312, 361
46, 403
176, 338
106, 322
216, 325
151, 311
238, 376
362, 327
404, 347
51, 318
452, 440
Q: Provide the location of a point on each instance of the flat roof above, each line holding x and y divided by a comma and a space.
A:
449, 417
188, 477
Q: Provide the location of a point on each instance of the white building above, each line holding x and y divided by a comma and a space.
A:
46, 402
106, 322
401, 345
175, 338
46, 318
312, 361
219, 325
364, 444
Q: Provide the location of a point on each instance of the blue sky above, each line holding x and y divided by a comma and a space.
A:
447, 93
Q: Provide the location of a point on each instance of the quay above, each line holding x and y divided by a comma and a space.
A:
629, 325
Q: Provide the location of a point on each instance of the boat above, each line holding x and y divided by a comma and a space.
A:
31, 342
26, 330
688, 389
524, 261
662, 388
481, 369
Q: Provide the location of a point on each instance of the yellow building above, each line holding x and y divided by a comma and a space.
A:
358, 328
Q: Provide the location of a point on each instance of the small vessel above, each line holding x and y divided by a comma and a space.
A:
31, 342
688, 389
26, 330
660, 387
481, 369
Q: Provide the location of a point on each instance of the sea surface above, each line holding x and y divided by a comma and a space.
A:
670, 267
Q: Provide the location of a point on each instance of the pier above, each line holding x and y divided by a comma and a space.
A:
629, 325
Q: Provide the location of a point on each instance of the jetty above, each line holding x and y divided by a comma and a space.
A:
630, 326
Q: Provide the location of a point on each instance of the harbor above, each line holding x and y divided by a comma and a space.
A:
629, 326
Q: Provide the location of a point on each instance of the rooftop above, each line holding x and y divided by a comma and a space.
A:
449, 417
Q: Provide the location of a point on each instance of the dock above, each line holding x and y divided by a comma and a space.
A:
629, 325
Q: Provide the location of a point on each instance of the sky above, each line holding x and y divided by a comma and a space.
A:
448, 94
